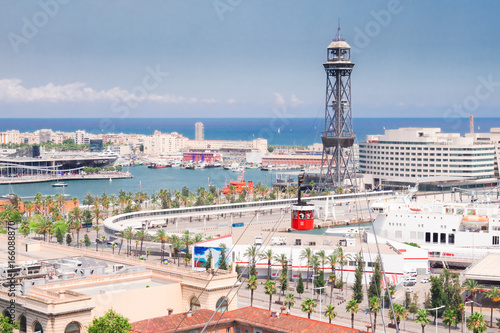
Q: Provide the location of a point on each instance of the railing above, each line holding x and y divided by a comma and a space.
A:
237, 207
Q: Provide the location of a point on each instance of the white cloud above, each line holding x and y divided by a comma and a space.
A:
231, 101
279, 101
11, 90
295, 101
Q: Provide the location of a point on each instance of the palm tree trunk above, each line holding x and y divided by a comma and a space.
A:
308, 315
329, 320
352, 320
374, 321
422, 328
251, 297
270, 299
307, 277
491, 318
268, 270
141, 246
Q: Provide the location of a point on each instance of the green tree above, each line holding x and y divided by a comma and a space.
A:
450, 318
331, 280
352, 307
290, 300
6, 325
330, 313
59, 236
375, 286
399, 314
438, 297
300, 285
308, 306
307, 255
223, 262
357, 288
111, 322
69, 240
86, 240
252, 285
422, 318
375, 307
494, 296
476, 322
252, 253
472, 287
413, 308
267, 255
208, 262
270, 289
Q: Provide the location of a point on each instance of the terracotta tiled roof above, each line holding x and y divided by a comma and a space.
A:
285, 323
251, 316
167, 324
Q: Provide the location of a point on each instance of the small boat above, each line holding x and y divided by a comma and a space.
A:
59, 185
110, 180
155, 165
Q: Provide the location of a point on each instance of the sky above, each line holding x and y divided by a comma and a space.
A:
242, 58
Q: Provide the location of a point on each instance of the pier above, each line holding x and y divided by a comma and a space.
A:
26, 179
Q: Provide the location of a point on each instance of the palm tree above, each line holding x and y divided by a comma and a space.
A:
162, 237
375, 307
270, 289
187, 240
472, 287
290, 300
399, 313
308, 306
322, 257
450, 318
352, 307
44, 226
331, 279
252, 285
332, 260
96, 228
422, 318
330, 313
307, 255
476, 322
342, 258
494, 296
103, 239
77, 225
141, 234
176, 244
251, 252
267, 255
28, 206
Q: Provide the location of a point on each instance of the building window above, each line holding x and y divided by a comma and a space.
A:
38, 327
451, 239
72, 328
22, 324
221, 305
495, 240
194, 304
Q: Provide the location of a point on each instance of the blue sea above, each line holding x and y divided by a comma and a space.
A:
278, 131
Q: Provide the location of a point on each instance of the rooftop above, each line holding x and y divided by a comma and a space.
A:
248, 315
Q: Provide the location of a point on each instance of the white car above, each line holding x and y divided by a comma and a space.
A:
408, 290
425, 280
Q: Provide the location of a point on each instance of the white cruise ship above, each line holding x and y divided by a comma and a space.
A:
446, 229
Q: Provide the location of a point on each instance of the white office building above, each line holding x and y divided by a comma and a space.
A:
407, 155
199, 131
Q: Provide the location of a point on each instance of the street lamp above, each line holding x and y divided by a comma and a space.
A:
439, 307
319, 288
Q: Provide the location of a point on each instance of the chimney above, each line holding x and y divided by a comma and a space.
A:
189, 314
273, 314
283, 309
170, 311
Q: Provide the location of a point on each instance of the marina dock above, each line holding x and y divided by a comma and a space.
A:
56, 178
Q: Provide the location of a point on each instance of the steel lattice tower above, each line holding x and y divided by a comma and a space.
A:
337, 167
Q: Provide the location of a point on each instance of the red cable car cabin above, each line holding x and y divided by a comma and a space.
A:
303, 217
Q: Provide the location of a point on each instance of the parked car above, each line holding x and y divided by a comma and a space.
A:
425, 280
409, 283
408, 290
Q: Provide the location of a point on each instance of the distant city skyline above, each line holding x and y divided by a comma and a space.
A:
221, 58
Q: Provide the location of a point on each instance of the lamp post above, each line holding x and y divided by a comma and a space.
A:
439, 307
464, 326
319, 288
